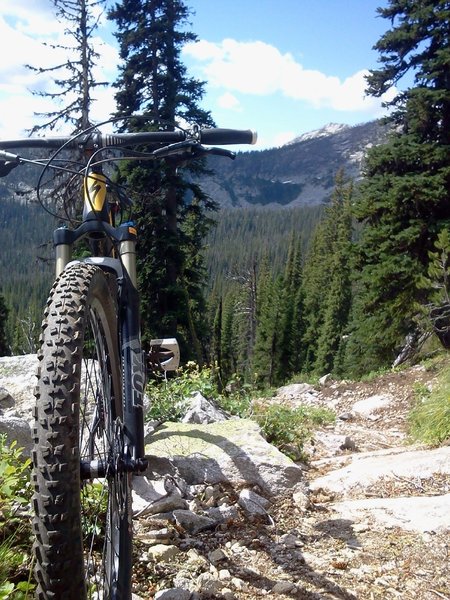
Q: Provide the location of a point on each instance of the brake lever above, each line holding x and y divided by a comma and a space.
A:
8, 162
189, 150
221, 152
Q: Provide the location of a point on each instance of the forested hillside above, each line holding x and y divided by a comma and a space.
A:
243, 236
25, 269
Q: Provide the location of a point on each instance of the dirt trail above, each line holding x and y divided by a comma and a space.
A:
375, 525
379, 521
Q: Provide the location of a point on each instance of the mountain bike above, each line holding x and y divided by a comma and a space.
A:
89, 419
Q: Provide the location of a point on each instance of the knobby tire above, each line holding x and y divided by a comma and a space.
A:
82, 526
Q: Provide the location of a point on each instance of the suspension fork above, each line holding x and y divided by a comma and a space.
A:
133, 359
134, 372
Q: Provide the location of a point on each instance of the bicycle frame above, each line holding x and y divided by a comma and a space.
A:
97, 223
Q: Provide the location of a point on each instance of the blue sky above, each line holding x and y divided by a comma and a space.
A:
281, 67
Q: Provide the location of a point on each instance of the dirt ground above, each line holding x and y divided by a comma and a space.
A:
307, 551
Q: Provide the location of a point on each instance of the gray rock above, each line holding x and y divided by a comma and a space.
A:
369, 405
163, 552
412, 514
208, 583
231, 451
325, 379
283, 587
294, 390
6, 400
173, 594
191, 522
216, 556
253, 503
222, 513
17, 376
153, 497
348, 444
201, 410
18, 430
366, 468
347, 416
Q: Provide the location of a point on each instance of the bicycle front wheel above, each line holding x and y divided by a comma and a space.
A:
82, 513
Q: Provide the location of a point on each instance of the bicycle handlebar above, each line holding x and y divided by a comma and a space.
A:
98, 140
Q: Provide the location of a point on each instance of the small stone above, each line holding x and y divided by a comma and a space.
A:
347, 416
207, 583
283, 587
224, 575
223, 513
253, 503
238, 584
161, 535
301, 500
217, 556
348, 444
210, 492
163, 552
194, 558
324, 379
191, 522
289, 540
173, 594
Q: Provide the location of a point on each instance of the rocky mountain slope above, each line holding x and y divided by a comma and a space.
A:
222, 514
299, 173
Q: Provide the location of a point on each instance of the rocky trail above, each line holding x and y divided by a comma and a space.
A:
223, 514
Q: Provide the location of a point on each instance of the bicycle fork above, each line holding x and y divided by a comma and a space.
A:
133, 358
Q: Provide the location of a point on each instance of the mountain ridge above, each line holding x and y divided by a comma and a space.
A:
299, 173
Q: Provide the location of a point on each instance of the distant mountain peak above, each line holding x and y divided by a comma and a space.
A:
326, 130
296, 174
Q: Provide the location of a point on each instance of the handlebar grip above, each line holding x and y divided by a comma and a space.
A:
228, 136
143, 137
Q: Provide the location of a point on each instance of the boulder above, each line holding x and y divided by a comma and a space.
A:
17, 377
18, 430
231, 451
366, 468
368, 406
201, 410
422, 514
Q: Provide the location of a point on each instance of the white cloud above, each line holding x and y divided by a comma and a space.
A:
283, 138
229, 102
261, 69
23, 28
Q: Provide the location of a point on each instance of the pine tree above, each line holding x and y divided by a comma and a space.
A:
325, 280
291, 351
153, 82
267, 344
228, 341
4, 346
405, 200
337, 301
74, 78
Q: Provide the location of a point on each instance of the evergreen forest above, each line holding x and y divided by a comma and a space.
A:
264, 293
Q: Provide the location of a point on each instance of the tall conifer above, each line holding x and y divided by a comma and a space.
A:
405, 201
153, 83
4, 348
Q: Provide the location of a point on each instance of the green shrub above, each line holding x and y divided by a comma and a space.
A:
15, 530
290, 428
168, 398
429, 421
14, 479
